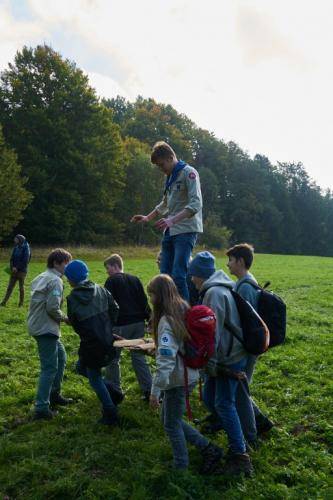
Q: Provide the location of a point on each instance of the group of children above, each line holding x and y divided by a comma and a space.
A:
119, 310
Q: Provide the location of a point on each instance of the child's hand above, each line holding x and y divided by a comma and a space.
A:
154, 402
139, 218
118, 337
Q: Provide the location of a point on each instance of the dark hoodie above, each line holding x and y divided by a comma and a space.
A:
20, 255
92, 312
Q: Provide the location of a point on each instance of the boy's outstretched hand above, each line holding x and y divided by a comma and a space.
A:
154, 402
139, 218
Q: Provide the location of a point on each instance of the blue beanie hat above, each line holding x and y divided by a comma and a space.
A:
203, 265
76, 271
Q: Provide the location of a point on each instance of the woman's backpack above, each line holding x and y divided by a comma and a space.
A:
201, 325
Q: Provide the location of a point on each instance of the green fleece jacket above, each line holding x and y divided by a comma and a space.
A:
45, 313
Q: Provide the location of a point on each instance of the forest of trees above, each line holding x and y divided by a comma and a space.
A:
74, 168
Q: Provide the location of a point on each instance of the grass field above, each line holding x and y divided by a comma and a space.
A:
72, 457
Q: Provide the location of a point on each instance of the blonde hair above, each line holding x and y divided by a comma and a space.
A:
167, 302
161, 151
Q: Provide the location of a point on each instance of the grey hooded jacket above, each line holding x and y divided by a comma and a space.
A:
220, 299
45, 313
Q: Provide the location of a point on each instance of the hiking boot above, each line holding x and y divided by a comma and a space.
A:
116, 396
252, 445
44, 415
211, 427
56, 399
263, 424
211, 417
211, 456
238, 463
109, 417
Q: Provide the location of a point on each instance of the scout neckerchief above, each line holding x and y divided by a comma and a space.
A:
174, 174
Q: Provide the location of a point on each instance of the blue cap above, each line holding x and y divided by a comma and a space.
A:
76, 271
203, 265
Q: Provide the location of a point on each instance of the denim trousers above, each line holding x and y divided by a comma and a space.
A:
139, 361
52, 356
175, 258
94, 375
246, 407
219, 395
178, 431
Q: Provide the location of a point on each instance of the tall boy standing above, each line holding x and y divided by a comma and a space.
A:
134, 310
181, 211
44, 319
230, 357
240, 261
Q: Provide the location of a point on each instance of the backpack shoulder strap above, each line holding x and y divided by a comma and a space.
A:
226, 324
248, 282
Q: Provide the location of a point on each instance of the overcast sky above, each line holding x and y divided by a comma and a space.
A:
258, 72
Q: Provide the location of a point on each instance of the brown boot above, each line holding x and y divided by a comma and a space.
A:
238, 463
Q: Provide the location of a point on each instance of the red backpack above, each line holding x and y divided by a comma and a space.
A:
201, 325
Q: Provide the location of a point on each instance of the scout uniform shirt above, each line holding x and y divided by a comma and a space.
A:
185, 192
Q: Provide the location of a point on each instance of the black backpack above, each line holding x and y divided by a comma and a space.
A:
256, 337
273, 311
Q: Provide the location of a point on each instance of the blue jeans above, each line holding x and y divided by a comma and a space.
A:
219, 395
246, 407
52, 357
139, 361
175, 258
94, 375
177, 430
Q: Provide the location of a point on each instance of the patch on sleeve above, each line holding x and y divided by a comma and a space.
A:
165, 339
191, 175
56, 293
165, 351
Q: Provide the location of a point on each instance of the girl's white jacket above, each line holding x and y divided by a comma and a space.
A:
169, 363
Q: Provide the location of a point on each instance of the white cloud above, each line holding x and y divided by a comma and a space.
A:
106, 86
14, 34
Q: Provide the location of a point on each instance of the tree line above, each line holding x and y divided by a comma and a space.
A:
74, 168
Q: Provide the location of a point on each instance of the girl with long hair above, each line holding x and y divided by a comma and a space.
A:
169, 331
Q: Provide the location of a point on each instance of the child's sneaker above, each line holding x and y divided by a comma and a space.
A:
211, 455
109, 417
238, 463
44, 415
116, 396
57, 399
263, 424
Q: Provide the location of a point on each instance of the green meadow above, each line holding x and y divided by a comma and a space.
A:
73, 457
